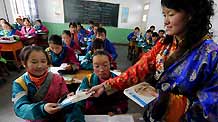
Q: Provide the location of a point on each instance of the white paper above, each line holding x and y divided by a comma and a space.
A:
55, 69
75, 98
107, 118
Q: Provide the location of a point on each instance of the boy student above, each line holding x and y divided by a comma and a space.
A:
133, 35
97, 45
115, 103
108, 46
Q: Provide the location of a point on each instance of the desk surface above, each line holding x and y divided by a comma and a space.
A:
72, 78
11, 46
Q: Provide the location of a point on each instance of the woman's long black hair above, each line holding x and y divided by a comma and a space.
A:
200, 12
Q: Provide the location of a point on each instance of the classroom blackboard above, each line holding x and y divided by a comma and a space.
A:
82, 11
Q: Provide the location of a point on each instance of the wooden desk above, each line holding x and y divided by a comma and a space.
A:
42, 39
72, 80
13, 47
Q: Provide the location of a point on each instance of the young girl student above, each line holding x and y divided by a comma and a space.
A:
115, 103
27, 29
35, 94
9, 31
60, 54
68, 41
39, 27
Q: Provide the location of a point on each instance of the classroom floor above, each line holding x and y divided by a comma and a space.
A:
6, 109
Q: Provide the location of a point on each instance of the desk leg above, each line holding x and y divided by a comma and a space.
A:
18, 63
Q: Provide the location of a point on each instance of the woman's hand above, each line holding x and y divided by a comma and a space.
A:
51, 108
97, 90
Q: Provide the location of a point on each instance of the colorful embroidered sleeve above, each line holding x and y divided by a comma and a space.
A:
135, 73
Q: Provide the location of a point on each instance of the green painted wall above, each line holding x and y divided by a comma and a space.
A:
116, 35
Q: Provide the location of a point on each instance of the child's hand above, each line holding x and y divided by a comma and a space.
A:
51, 108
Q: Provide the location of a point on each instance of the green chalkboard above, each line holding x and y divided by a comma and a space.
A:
83, 11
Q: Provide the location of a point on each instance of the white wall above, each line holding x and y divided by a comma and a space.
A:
215, 22
51, 10
155, 16
3, 13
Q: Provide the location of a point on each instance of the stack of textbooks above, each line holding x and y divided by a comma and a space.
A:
142, 93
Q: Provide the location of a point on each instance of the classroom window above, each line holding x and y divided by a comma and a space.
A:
25, 8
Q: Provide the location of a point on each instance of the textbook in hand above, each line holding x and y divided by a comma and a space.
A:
73, 99
142, 93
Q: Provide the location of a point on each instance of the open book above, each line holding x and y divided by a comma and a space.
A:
142, 93
73, 99
107, 118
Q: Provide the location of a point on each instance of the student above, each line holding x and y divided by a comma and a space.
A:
106, 104
9, 31
35, 94
183, 66
27, 29
92, 35
97, 45
74, 32
2, 20
82, 33
133, 35
108, 46
60, 54
39, 27
68, 41
154, 38
147, 36
19, 23
161, 33
91, 25
152, 28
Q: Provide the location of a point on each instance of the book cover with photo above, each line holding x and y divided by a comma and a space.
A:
142, 93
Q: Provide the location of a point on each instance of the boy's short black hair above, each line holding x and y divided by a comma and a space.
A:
148, 31
137, 28
38, 20
101, 30
97, 44
102, 52
154, 34
55, 39
67, 32
161, 31
152, 26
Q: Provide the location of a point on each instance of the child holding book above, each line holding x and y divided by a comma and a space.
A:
106, 104
35, 94
60, 54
